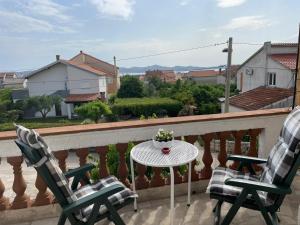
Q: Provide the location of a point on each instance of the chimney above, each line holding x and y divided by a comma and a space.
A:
80, 51
82, 56
57, 57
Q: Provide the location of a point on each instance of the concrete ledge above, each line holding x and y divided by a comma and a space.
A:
49, 211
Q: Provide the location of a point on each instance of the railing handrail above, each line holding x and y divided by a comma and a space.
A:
7, 135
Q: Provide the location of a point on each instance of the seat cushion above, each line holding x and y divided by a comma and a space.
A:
217, 184
115, 199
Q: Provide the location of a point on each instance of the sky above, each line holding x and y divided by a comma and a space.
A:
32, 32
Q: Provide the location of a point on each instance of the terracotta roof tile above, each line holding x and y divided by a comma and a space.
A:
203, 73
288, 60
82, 97
259, 98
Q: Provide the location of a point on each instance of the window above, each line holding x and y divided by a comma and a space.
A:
272, 79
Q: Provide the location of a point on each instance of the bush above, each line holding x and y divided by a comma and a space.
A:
146, 106
93, 110
131, 87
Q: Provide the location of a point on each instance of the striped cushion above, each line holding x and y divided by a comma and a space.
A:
36, 142
217, 184
115, 199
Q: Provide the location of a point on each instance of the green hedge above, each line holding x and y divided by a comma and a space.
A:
146, 106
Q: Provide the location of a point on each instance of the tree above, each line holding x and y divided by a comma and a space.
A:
93, 110
131, 87
43, 104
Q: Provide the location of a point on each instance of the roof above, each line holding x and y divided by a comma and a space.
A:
287, 60
82, 97
66, 62
19, 94
61, 93
203, 73
259, 98
273, 45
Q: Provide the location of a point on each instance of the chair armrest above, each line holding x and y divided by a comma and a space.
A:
259, 186
98, 196
79, 171
246, 159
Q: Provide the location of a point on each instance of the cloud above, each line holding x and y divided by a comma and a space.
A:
17, 22
116, 8
47, 8
230, 3
248, 22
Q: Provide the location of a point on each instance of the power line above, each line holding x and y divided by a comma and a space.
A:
246, 43
172, 52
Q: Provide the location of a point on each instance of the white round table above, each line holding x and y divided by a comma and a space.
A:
181, 153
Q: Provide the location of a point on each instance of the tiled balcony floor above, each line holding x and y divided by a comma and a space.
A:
199, 213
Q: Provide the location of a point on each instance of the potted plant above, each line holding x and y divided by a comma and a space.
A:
163, 139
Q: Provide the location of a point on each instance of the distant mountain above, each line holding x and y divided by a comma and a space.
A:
140, 70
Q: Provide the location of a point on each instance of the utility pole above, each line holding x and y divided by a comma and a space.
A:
117, 78
296, 99
228, 74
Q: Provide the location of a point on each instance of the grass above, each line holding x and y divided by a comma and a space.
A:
40, 123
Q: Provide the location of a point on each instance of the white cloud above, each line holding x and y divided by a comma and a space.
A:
47, 8
116, 8
17, 22
248, 22
230, 3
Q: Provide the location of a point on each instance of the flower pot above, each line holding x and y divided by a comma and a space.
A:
162, 144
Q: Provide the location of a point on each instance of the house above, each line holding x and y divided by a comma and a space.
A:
272, 65
168, 76
205, 76
262, 97
81, 79
10, 80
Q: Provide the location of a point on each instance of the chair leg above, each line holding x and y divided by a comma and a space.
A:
275, 218
62, 219
115, 217
217, 212
235, 207
263, 209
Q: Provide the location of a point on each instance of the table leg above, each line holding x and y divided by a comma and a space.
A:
133, 183
189, 184
172, 196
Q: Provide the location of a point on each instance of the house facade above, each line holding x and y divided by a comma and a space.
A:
78, 80
168, 76
205, 76
272, 65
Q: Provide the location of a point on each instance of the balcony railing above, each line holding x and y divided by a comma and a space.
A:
262, 128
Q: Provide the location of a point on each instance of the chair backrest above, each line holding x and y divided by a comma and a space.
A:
37, 154
283, 161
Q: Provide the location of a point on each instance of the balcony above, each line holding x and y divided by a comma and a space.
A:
23, 195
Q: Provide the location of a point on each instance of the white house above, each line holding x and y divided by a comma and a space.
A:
81, 79
272, 65
11, 80
205, 76
266, 79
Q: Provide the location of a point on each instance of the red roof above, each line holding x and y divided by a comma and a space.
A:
86, 67
203, 73
82, 97
259, 98
287, 60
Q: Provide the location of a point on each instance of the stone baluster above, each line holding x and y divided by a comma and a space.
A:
222, 156
141, 181
253, 151
4, 202
61, 157
21, 200
82, 154
43, 197
157, 178
102, 152
123, 169
195, 176
238, 135
207, 158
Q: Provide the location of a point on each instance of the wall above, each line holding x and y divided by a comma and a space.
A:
284, 76
205, 80
83, 82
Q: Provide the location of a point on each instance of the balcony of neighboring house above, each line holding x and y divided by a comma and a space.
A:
24, 198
